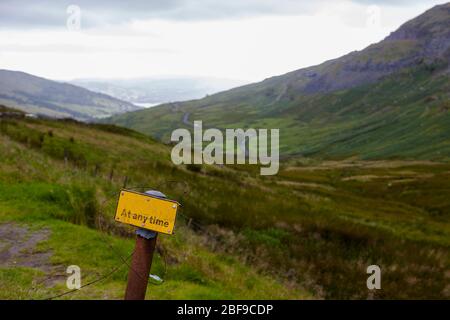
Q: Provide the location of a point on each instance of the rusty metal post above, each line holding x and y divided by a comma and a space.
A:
140, 268
142, 260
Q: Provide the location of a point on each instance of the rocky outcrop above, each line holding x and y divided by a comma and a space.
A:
423, 40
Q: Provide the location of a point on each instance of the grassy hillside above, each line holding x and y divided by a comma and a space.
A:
68, 207
404, 116
310, 231
50, 98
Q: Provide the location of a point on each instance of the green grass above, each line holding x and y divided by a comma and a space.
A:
308, 232
38, 190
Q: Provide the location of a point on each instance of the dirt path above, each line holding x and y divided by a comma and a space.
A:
18, 247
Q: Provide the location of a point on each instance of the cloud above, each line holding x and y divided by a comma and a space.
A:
36, 14
46, 13
272, 39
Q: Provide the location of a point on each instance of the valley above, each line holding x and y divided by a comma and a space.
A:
387, 101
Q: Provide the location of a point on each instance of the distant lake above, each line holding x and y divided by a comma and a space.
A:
146, 104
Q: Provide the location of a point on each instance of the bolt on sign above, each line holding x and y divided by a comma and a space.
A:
146, 211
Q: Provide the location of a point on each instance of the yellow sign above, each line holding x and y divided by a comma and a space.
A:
146, 211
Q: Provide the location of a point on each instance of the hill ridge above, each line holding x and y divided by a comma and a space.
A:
39, 95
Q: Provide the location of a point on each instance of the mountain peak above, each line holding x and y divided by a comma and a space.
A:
433, 23
431, 30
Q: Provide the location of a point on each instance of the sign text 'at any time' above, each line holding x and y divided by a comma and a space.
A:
146, 211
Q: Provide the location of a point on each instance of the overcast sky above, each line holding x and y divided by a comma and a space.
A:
237, 39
